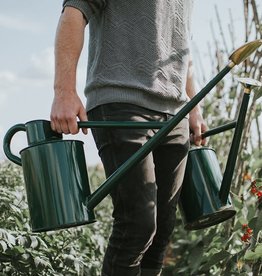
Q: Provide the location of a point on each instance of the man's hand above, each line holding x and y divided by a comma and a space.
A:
197, 127
66, 108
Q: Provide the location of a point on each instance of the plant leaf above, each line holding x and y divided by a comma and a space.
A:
4, 245
254, 255
216, 258
257, 93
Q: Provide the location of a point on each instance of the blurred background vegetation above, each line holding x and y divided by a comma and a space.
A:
218, 250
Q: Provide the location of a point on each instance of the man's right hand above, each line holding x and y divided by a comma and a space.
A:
66, 108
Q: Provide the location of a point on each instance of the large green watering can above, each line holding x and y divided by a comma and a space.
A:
56, 179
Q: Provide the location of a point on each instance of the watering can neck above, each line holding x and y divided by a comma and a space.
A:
39, 131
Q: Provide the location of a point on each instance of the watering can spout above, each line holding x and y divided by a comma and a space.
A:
248, 85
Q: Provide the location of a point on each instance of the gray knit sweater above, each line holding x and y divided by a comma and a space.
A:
138, 52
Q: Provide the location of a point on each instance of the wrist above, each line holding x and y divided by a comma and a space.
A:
61, 90
196, 109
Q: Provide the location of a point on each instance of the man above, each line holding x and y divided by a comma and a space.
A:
139, 69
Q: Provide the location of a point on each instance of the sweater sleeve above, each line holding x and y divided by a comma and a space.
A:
87, 7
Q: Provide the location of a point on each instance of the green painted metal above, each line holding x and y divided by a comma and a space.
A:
7, 143
117, 124
200, 204
233, 153
37, 131
205, 199
219, 129
55, 176
56, 185
40, 131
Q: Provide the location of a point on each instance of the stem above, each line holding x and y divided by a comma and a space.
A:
231, 29
221, 30
258, 133
256, 18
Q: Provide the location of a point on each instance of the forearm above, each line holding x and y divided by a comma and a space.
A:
68, 46
196, 122
190, 84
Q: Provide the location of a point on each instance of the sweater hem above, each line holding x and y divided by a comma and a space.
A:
133, 96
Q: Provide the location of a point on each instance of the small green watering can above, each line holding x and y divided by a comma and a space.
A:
205, 199
56, 179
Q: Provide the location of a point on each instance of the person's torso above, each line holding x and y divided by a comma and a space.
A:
140, 46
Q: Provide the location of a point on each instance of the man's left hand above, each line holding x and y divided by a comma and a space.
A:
197, 127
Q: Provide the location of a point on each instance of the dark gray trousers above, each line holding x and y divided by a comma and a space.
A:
145, 199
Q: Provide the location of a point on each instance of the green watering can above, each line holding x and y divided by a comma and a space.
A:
205, 199
56, 178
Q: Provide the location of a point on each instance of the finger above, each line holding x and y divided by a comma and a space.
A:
55, 125
203, 142
197, 136
64, 127
83, 117
191, 138
72, 125
204, 128
197, 140
53, 122
58, 127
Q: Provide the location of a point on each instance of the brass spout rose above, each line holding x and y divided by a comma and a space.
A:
244, 51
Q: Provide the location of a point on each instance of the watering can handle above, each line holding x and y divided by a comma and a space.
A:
7, 143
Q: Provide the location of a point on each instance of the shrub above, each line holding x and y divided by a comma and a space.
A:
74, 251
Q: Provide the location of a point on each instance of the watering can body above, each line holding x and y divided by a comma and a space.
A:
200, 203
56, 178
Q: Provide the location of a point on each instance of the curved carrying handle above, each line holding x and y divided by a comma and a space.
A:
7, 141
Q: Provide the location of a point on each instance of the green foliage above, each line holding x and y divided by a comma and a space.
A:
218, 250
75, 251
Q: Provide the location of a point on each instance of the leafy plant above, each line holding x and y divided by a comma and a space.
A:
75, 251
